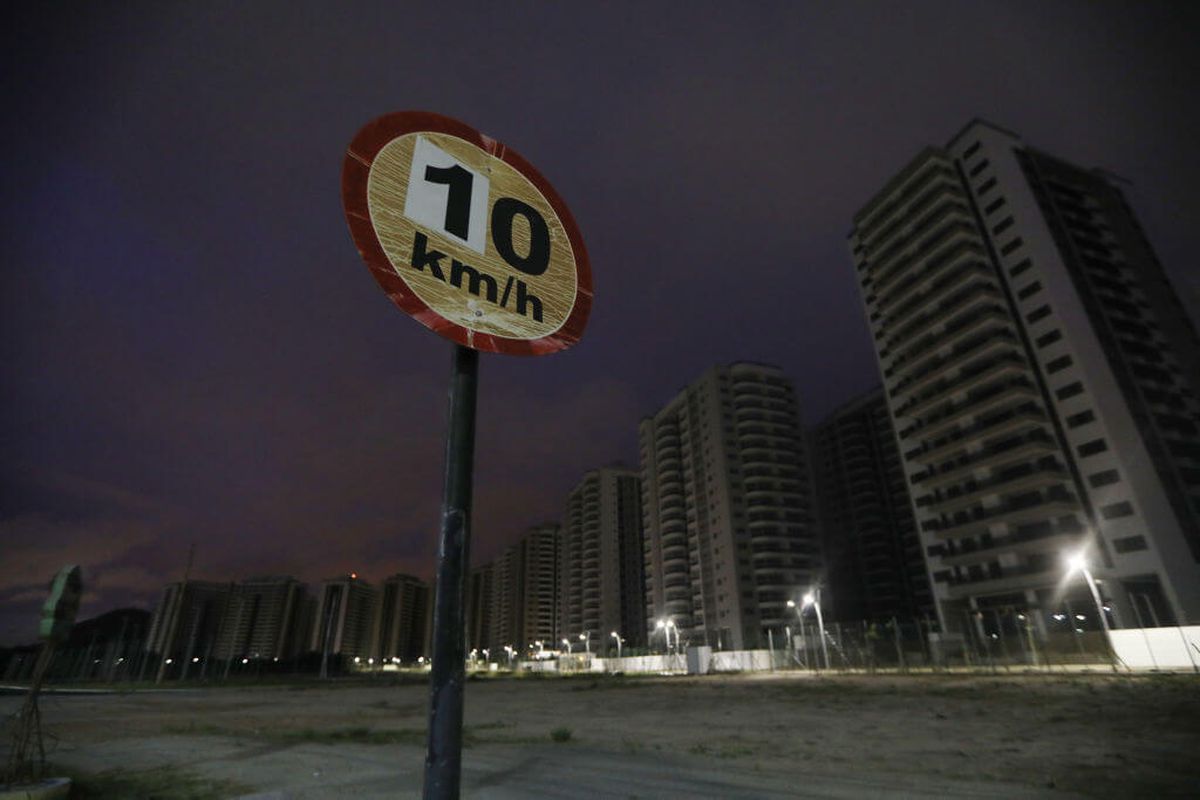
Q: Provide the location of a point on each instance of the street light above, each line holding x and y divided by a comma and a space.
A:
813, 598
586, 638
618, 638
1078, 562
567, 642
666, 626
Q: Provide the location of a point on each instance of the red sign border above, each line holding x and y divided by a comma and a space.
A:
356, 169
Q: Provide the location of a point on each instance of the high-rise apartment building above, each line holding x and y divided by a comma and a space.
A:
524, 607
600, 583
186, 620
261, 619
874, 562
400, 628
478, 612
1043, 379
344, 614
727, 508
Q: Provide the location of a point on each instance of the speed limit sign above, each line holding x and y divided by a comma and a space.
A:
465, 235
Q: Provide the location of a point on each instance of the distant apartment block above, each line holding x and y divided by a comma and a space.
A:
601, 586
524, 603
344, 613
1043, 379
186, 621
262, 619
401, 625
729, 529
479, 608
874, 563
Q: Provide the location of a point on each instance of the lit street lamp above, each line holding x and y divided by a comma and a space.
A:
586, 638
813, 598
666, 626
619, 640
1077, 562
567, 642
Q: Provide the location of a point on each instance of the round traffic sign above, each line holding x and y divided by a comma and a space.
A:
465, 235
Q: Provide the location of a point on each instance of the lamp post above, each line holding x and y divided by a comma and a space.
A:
618, 638
508, 648
813, 598
1078, 562
567, 642
586, 638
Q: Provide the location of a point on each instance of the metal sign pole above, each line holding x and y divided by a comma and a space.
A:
443, 757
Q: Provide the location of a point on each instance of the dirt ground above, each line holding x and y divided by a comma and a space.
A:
797, 735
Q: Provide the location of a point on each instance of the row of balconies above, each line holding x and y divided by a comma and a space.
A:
979, 402
874, 225
945, 293
920, 380
881, 225
977, 371
921, 265
964, 319
978, 298
996, 454
1025, 476
883, 249
1014, 510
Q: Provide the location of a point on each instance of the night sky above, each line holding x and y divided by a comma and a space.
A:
193, 351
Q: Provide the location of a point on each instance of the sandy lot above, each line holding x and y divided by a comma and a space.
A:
775, 735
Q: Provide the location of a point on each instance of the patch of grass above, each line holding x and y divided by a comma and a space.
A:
161, 783
560, 735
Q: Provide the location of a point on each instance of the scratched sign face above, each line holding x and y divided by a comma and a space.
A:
466, 236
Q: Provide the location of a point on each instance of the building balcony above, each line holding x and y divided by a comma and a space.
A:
975, 313
1032, 444
980, 298
1013, 579
900, 268
1055, 544
888, 211
1003, 393
919, 380
1053, 503
947, 290
982, 370
1019, 479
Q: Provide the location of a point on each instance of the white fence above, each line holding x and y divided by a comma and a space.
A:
1158, 648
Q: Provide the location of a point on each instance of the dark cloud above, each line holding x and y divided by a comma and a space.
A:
193, 352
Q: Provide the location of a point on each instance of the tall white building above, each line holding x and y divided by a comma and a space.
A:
261, 619
729, 534
1043, 379
600, 575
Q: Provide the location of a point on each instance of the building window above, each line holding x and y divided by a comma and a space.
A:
978, 168
1049, 338
1082, 418
1038, 314
1020, 267
1060, 363
1104, 478
1070, 390
995, 204
972, 150
1092, 448
1011, 246
1002, 226
987, 186
1129, 544
1029, 291
1117, 510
